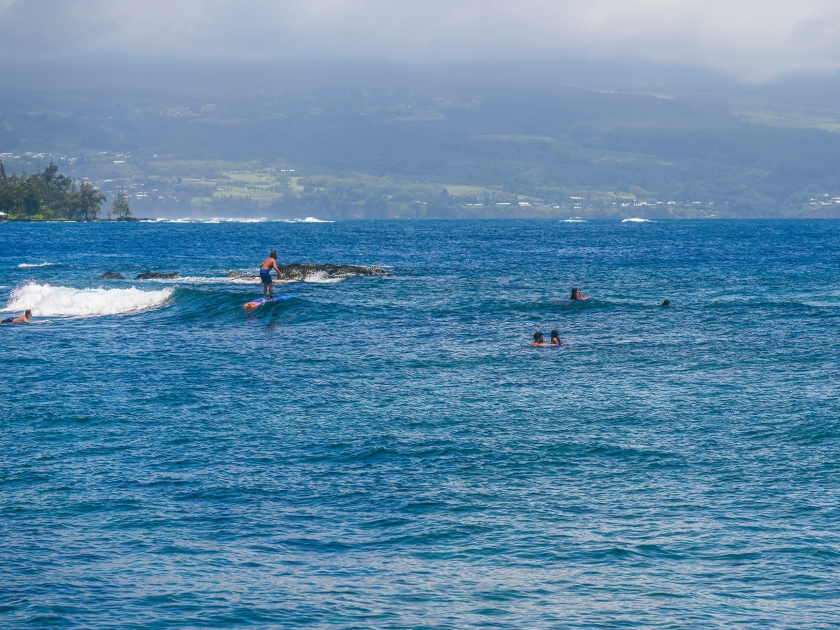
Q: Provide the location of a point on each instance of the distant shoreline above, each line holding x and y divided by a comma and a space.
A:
252, 220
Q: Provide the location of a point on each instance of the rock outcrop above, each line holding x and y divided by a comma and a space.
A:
154, 275
111, 275
299, 271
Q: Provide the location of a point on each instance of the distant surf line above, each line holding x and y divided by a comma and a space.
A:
215, 220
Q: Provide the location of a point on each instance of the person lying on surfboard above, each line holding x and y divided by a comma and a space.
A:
577, 295
265, 274
23, 319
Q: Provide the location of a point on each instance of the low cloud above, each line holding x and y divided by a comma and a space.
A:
750, 39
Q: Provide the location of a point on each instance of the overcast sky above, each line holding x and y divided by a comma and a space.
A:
753, 40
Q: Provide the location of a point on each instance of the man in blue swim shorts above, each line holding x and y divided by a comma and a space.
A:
23, 319
265, 274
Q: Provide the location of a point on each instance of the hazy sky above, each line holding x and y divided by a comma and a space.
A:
753, 40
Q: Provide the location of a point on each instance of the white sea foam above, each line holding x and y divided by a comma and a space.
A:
43, 264
229, 220
636, 220
572, 221
237, 220
205, 280
321, 277
213, 220
48, 300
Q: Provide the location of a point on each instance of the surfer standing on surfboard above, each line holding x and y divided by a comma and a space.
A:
265, 274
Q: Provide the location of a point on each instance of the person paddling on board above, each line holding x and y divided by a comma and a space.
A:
265, 274
577, 295
23, 319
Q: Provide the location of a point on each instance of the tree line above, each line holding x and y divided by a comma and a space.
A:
48, 195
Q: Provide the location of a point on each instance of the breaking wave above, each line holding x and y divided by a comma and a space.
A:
636, 220
47, 300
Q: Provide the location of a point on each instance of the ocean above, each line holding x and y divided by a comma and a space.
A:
390, 452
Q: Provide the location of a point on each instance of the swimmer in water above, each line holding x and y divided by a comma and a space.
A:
555, 339
265, 274
666, 303
539, 340
576, 295
23, 319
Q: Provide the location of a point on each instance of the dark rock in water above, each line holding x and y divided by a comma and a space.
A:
299, 271
154, 275
111, 275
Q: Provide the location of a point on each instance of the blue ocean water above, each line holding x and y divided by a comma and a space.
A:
389, 452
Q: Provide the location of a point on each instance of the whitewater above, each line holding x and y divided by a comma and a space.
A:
45, 300
217, 220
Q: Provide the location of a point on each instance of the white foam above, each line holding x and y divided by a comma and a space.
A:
212, 220
321, 277
237, 220
308, 220
48, 300
229, 220
43, 264
636, 220
572, 221
206, 280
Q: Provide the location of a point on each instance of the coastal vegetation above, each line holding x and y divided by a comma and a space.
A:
48, 195
120, 209
436, 150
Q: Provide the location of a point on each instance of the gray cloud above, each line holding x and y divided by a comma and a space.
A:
751, 39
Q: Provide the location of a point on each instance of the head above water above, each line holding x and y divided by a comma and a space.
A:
666, 303
575, 293
555, 334
28, 313
538, 337
273, 255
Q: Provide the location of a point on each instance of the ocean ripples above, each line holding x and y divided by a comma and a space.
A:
390, 452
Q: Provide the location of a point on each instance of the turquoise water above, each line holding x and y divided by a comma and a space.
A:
389, 451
